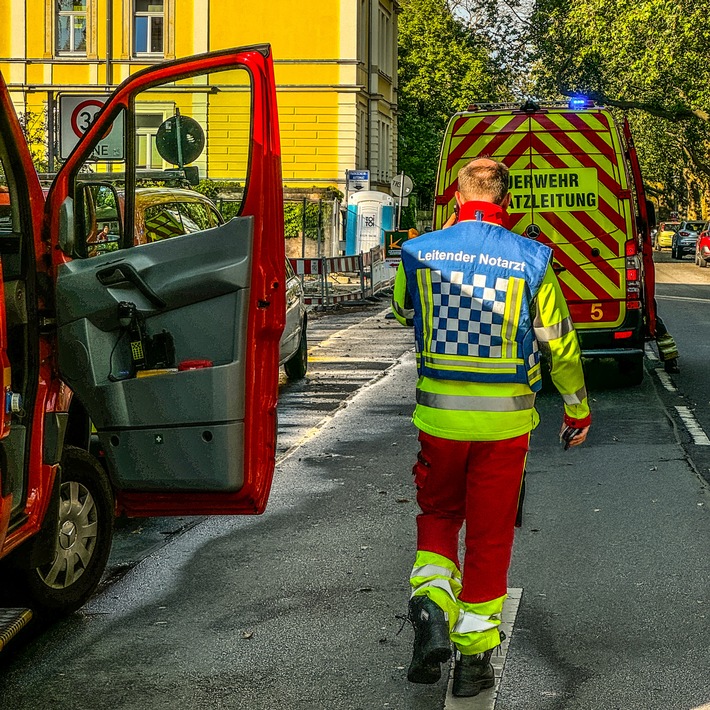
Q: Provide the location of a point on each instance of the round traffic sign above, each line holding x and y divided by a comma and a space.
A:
401, 185
192, 140
83, 116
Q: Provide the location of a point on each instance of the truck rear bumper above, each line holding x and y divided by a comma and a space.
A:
604, 342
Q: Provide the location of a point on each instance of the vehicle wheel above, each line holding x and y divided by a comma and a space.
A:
83, 539
297, 366
632, 370
675, 254
702, 263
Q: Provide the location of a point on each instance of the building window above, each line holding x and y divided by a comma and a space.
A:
147, 155
71, 26
148, 27
385, 44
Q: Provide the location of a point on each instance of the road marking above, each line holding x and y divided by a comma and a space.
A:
683, 298
486, 699
650, 354
691, 424
666, 381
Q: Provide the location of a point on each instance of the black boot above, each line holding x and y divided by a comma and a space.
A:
671, 366
431, 640
472, 674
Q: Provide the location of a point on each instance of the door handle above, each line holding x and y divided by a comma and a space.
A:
125, 273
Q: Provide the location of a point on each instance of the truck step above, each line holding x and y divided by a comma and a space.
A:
12, 621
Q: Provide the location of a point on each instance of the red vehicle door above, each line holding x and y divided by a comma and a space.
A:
20, 223
172, 346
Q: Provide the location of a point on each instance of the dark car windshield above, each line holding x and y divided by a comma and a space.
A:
694, 226
672, 226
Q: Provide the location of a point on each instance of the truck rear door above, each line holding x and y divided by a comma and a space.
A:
574, 191
172, 346
568, 190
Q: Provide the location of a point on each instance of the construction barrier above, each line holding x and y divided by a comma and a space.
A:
331, 280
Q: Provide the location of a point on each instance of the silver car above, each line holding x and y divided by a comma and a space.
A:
685, 239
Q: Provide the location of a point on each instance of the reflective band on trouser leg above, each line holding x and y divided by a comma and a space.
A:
667, 348
439, 579
476, 629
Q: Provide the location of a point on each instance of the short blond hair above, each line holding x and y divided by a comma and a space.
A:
484, 179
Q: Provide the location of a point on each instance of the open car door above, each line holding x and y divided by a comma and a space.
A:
172, 346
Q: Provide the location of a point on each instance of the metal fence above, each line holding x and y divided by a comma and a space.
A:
328, 281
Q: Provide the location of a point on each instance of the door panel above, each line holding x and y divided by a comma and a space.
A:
181, 440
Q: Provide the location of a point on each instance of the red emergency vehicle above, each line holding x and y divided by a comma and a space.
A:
171, 348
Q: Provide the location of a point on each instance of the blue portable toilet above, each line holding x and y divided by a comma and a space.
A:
370, 214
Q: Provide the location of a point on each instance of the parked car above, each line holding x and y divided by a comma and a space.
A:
165, 212
702, 247
685, 238
664, 235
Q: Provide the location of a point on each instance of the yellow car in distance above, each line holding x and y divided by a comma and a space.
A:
664, 235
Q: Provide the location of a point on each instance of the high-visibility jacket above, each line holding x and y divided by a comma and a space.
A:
478, 362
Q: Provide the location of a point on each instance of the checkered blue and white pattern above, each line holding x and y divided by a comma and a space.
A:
468, 318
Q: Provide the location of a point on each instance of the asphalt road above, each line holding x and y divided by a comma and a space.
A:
299, 608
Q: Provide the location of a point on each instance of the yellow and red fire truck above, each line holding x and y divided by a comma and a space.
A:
576, 185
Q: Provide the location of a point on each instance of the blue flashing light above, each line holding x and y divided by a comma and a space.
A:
579, 102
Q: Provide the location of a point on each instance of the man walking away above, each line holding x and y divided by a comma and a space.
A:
481, 299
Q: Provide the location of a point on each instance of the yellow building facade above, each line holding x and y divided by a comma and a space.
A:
335, 64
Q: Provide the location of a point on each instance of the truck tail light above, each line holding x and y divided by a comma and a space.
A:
633, 279
622, 334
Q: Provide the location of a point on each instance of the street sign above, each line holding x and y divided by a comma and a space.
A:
393, 243
76, 114
180, 146
357, 180
401, 185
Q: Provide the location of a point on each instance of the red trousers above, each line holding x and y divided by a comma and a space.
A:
477, 482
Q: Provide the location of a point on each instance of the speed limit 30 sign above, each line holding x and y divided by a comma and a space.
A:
76, 114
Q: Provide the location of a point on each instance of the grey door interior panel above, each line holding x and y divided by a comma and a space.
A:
181, 270
202, 458
178, 430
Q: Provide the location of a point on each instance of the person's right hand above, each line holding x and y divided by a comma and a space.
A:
579, 438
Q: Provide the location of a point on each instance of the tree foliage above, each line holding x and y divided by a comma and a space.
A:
646, 57
446, 62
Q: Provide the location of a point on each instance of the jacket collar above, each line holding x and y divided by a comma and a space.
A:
483, 212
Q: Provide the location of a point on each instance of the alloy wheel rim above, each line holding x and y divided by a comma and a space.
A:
76, 537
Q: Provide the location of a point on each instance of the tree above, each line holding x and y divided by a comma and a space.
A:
445, 64
647, 57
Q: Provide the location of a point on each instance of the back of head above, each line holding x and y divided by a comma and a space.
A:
483, 179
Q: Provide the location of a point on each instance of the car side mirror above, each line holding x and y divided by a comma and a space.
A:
67, 239
651, 212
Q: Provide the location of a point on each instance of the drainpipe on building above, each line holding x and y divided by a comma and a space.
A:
109, 43
369, 84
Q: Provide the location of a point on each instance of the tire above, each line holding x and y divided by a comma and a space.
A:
297, 366
86, 502
632, 370
702, 263
676, 254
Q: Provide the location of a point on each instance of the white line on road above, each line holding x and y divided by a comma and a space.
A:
486, 700
666, 381
683, 298
691, 424
650, 354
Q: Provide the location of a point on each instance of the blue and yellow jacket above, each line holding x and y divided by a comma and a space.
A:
481, 300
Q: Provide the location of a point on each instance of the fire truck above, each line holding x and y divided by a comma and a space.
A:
576, 186
170, 349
